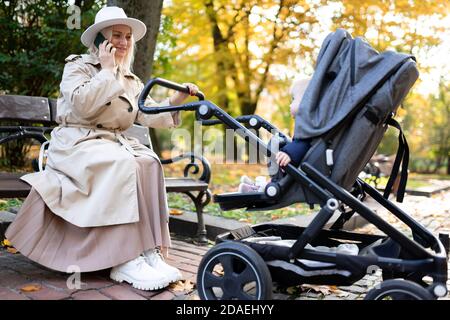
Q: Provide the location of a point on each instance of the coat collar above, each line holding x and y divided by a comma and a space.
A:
95, 61
91, 59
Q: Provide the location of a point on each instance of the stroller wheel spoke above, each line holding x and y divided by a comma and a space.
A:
212, 280
227, 263
246, 276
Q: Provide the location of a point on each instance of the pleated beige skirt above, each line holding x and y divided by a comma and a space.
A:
57, 244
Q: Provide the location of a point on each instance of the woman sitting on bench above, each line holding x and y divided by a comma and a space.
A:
101, 200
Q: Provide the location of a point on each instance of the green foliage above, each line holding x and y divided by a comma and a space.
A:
6, 205
35, 42
389, 144
427, 126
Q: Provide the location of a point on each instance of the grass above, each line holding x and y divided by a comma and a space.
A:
416, 180
182, 202
411, 184
7, 204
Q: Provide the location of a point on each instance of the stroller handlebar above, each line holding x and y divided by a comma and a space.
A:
255, 121
167, 84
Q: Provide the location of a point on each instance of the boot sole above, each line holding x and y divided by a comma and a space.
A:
175, 279
141, 285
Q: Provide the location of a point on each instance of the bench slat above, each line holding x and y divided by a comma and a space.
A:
12, 187
185, 184
24, 108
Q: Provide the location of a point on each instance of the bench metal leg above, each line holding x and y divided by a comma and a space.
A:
200, 201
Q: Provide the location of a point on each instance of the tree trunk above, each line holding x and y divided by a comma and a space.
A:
149, 12
448, 165
222, 56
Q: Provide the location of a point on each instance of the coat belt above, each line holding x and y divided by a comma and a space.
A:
117, 132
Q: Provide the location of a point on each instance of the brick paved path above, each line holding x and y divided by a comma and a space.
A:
17, 273
19, 276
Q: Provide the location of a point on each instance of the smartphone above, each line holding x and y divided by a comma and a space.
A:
99, 39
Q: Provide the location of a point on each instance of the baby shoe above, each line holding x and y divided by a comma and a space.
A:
245, 187
247, 180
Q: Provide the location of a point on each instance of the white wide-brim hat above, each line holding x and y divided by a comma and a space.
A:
109, 16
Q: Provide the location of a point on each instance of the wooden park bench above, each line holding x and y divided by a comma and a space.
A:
34, 117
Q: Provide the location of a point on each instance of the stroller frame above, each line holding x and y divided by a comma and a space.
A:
416, 262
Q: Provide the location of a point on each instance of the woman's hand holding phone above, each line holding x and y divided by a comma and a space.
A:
106, 55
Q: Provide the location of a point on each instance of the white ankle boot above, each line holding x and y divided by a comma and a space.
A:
154, 259
139, 274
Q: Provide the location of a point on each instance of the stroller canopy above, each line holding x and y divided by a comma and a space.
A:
346, 72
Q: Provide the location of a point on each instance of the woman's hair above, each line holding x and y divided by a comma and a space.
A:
127, 62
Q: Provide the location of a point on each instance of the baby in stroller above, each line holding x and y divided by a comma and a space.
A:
293, 152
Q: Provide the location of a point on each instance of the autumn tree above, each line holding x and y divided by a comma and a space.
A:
245, 54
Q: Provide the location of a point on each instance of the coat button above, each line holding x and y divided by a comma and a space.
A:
130, 109
108, 103
99, 126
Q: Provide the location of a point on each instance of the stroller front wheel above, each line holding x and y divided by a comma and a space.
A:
397, 289
233, 270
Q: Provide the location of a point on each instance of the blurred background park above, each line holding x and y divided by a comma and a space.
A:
244, 55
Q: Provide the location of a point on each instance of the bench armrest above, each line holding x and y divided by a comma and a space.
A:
20, 132
195, 162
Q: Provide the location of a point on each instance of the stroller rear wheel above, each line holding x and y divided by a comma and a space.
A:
397, 289
233, 270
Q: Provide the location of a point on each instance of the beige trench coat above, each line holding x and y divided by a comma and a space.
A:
90, 176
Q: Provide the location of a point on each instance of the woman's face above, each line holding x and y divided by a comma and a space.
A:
121, 40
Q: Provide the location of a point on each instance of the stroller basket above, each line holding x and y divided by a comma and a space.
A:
316, 266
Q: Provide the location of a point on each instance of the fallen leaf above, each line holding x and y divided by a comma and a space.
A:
218, 270
333, 289
176, 286
176, 212
11, 250
182, 285
31, 288
320, 289
292, 290
6, 243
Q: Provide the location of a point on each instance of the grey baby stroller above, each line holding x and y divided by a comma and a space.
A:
346, 109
